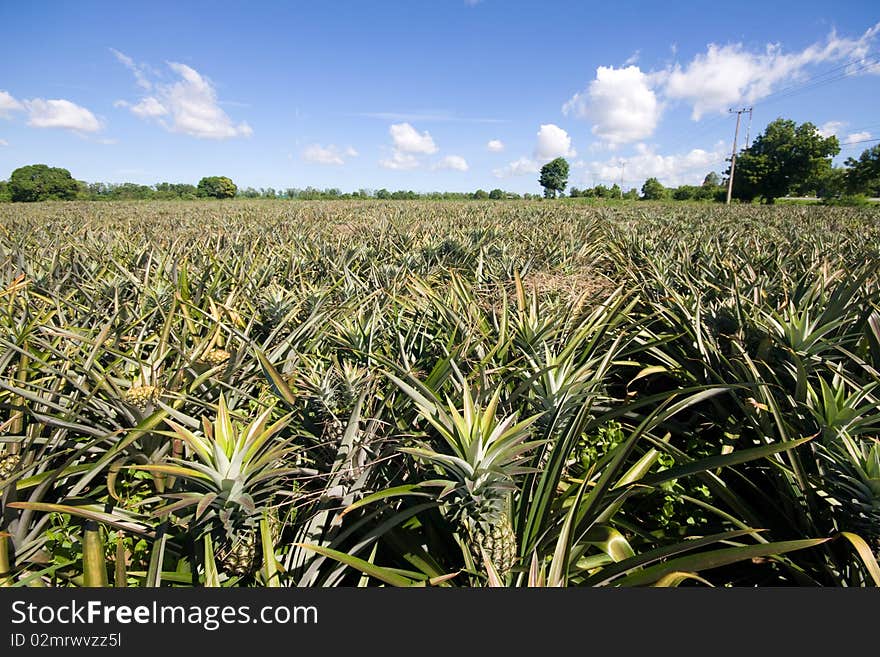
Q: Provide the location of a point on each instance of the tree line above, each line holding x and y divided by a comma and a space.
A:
786, 159
40, 182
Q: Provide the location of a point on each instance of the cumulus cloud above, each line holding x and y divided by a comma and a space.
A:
495, 145
519, 167
407, 144
455, 162
8, 105
52, 113
553, 142
330, 154
625, 104
620, 103
188, 105
830, 128
60, 113
407, 139
730, 74
671, 170
855, 137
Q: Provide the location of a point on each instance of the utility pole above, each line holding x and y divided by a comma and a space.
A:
739, 113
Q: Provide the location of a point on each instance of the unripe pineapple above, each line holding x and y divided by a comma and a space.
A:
142, 396
240, 553
214, 357
496, 537
8, 465
334, 429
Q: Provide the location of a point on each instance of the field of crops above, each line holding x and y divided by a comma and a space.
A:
254, 393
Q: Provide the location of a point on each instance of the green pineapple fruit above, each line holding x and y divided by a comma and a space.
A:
240, 552
495, 537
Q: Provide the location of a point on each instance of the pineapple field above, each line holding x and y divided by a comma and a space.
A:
455, 394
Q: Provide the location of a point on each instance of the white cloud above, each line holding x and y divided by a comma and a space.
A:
455, 162
521, 167
621, 104
625, 104
730, 74
8, 104
3, 142
671, 170
495, 145
855, 137
400, 161
139, 71
408, 140
60, 113
553, 142
330, 154
189, 105
148, 108
830, 128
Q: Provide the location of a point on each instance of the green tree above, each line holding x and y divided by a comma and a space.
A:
39, 182
863, 175
632, 194
554, 177
652, 190
785, 157
5, 196
685, 192
480, 194
711, 180
496, 194
217, 187
615, 192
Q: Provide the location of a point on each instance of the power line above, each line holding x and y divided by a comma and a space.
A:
779, 95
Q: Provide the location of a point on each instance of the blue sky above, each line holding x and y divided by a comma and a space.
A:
446, 94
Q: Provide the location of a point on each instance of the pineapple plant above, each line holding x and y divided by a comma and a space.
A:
853, 479
232, 473
330, 393
275, 303
481, 456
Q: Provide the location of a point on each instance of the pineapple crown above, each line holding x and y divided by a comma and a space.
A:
233, 467
483, 454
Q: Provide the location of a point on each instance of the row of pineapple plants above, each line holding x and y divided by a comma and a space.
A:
439, 394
